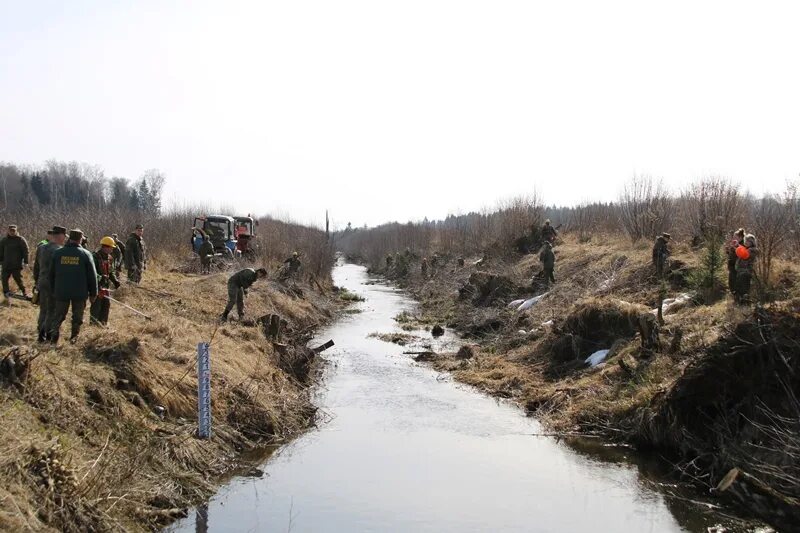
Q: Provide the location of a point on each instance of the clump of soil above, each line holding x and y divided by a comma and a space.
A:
484, 289
593, 325
737, 407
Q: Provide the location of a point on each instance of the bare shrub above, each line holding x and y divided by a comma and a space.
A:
710, 208
457, 234
774, 219
645, 208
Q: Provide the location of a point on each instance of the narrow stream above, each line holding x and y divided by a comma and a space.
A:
407, 449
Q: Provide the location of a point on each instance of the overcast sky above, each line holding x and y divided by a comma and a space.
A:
397, 110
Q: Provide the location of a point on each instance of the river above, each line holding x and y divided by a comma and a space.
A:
404, 448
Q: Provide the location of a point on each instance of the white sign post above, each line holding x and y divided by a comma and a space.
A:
203, 391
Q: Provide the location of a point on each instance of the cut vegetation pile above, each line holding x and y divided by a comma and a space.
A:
100, 435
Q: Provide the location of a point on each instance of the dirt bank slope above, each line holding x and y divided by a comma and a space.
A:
715, 388
99, 435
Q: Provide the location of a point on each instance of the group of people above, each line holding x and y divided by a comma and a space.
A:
741, 253
66, 275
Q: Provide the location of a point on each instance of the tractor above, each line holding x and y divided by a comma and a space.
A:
245, 236
221, 230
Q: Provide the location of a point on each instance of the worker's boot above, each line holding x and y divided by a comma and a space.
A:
54, 338
42, 336
74, 336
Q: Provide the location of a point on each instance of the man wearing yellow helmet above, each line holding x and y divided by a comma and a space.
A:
106, 276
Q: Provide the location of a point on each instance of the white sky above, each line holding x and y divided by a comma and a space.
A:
397, 110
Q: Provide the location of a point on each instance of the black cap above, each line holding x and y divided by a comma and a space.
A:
75, 235
139, 226
57, 230
12, 226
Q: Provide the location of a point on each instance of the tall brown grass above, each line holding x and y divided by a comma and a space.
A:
167, 235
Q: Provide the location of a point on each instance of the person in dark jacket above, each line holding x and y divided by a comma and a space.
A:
730, 251
135, 255
74, 280
118, 254
744, 269
661, 253
206, 253
106, 277
548, 260
41, 276
548, 232
237, 289
14, 257
292, 265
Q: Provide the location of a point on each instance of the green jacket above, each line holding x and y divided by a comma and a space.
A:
206, 249
43, 264
72, 273
134, 252
660, 249
747, 265
13, 252
243, 278
547, 257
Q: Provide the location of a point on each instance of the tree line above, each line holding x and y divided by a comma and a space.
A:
62, 184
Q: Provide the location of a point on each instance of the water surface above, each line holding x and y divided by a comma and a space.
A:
406, 449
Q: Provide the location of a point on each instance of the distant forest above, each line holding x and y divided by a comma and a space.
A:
61, 184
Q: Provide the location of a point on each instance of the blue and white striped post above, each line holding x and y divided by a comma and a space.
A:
203, 390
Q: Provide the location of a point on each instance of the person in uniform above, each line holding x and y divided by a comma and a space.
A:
14, 257
74, 280
106, 277
238, 284
41, 276
661, 253
135, 255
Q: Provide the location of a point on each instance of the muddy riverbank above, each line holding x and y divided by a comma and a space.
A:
99, 435
404, 448
710, 388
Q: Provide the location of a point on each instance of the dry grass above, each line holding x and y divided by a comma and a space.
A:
90, 408
636, 395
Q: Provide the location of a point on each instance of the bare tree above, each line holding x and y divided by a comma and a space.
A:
645, 208
774, 221
710, 208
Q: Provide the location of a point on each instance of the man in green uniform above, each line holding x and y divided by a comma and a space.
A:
118, 254
135, 255
74, 280
41, 276
291, 266
744, 269
661, 253
206, 253
237, 289
548, 232
730, 252
548, 260
104, 263
14, 257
